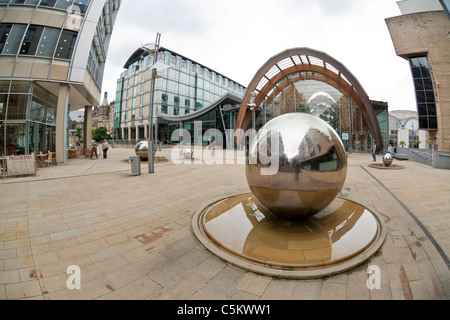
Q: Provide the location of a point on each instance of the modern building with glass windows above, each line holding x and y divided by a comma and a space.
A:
52, 58
186, 92
310, 81
421, 36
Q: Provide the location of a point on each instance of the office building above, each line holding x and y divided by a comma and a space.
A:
52, 59
421, 36
186, 92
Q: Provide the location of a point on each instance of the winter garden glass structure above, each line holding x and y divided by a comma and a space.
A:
310, 81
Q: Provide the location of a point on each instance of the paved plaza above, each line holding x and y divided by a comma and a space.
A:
131, 236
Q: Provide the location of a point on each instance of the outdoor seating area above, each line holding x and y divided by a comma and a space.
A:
45, 160
72, 153
91, 152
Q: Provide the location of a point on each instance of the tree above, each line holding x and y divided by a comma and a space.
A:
100, 133
402, 144
79, 134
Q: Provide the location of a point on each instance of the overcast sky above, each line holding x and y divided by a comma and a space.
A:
236, 37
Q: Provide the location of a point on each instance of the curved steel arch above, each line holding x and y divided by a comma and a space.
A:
305, 59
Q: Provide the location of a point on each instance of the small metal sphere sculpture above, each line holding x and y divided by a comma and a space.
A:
142, 150
388, 159
296, 165
188, 153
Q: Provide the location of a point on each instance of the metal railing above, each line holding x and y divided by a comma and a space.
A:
3, 168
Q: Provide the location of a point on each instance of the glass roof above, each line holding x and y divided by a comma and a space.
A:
295, 60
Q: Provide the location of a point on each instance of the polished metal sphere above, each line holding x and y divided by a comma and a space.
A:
296, 165
388, 159
188, 153
142, 150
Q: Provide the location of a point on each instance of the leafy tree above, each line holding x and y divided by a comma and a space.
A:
79, 134
100, 133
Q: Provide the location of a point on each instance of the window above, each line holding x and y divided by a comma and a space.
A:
187, 106
164, 103
83, 5
48, 3
31, 40
48, 42
176, 108
22, 2
66, 45
63, 4
14, 39
5, 28
426, 101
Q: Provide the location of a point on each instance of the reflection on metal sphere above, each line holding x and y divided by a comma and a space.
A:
188, 153
142, 150
296, 165
387, 160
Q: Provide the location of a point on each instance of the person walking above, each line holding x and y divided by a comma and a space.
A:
374, 152
389, 148
105, 148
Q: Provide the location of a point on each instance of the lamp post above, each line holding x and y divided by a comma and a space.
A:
151, 160
156, 69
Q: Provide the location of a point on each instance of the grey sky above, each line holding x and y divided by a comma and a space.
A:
235, 37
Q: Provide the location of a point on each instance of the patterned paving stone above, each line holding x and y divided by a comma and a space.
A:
131, 235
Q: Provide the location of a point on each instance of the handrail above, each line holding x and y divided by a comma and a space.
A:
444, 154
423, 155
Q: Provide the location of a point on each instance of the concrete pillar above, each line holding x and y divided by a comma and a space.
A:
403, 135
62, 112
87, 127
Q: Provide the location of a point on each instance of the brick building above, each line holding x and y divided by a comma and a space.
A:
103, 115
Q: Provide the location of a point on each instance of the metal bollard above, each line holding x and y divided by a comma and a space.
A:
135, 166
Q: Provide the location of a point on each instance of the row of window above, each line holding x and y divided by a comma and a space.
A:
183, 71
93, 62
79, 6
426, 100
163, 107
36, 40
27, 101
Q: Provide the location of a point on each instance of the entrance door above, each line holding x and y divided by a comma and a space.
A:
361, 143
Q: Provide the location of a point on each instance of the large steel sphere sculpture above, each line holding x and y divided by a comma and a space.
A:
296, 165
141, 150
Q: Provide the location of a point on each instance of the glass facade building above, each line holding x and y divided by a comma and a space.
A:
52, 56
185, 91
